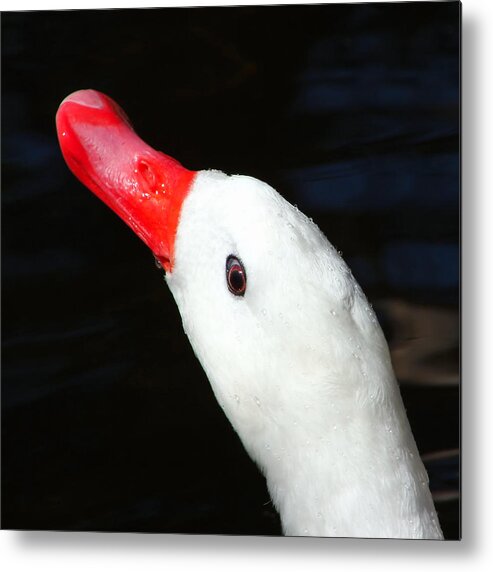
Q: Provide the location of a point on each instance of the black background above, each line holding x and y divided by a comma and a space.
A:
350, 111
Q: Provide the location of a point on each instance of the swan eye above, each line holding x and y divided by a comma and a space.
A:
235, 276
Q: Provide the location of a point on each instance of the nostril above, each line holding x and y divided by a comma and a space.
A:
146, 173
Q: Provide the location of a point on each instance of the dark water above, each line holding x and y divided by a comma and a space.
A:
351, 112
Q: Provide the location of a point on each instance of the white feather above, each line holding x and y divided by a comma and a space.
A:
299, 364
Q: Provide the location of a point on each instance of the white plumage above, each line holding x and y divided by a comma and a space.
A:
299, 364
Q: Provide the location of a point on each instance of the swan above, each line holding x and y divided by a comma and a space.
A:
292, 348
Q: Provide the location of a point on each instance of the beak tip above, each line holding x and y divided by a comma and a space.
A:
86, 98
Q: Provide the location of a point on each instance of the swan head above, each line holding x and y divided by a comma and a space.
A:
271, 309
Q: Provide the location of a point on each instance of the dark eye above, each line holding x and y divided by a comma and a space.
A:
235, 276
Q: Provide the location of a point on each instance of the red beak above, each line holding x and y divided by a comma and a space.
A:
144, 187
